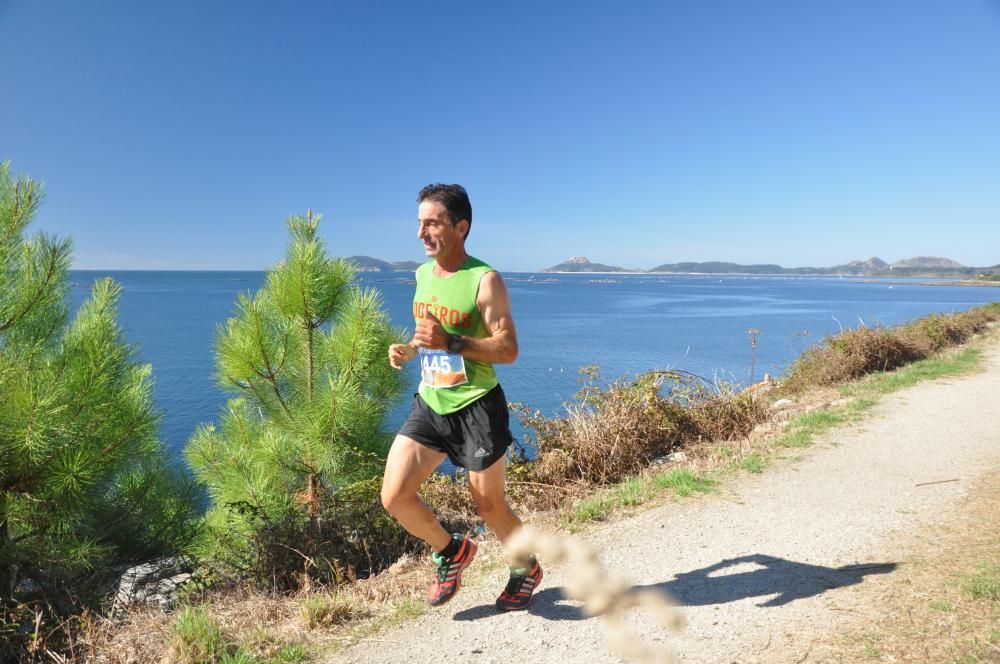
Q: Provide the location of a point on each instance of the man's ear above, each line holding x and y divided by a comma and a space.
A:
462, 227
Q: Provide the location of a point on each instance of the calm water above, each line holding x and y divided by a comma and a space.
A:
626, 324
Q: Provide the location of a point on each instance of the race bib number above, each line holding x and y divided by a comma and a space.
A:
439, 368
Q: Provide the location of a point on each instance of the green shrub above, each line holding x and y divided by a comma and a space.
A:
85, 486
290, 467
196, 638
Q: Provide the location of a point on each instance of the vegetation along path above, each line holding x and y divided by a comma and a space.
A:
771, 565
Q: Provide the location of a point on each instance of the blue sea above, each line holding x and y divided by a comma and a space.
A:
626, 324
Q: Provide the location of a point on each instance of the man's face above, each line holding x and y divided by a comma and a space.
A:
441, 238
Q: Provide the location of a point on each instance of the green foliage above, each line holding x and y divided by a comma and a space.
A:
984, 583
636, 491
290, 653
942, 605
84, 485
753, 463
289, 466
238, 657
196, 638
802, 430
683, 482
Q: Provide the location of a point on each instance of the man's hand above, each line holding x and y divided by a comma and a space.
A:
429, 334
400, 354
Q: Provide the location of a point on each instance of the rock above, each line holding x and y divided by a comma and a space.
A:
782, 404
26, 587
153, 584
675, 457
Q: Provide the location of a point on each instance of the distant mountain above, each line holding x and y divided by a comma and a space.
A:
369, 264
918, 266
581, 264
873, 264
718, 267
927, 263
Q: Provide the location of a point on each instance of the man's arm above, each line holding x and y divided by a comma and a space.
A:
400, 354
493, 303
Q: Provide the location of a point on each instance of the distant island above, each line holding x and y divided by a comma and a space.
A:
581, 264
918, 266
369, 264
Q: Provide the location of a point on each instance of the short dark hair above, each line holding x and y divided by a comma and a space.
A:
454, 199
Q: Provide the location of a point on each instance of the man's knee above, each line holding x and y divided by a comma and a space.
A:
488, 506
395, 502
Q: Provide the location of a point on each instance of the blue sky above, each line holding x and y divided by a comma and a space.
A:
180, 135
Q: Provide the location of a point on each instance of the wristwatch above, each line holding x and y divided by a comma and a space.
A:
455, 344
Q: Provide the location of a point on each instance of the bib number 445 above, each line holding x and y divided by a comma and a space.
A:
439, 368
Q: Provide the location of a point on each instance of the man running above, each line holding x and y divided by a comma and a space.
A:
463, 327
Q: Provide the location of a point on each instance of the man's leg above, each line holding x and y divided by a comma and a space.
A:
488, 491
409, 464
487, 487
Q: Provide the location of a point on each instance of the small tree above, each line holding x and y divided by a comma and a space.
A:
83, 482
292, 468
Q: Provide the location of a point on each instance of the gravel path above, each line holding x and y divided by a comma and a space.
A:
761, 568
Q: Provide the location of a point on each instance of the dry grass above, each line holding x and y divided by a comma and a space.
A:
943, 604
614, 433
257, 624
855, 353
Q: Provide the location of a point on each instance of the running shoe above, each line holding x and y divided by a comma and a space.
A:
449, 573
517, 595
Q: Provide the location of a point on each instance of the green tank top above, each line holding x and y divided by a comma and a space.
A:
450, 382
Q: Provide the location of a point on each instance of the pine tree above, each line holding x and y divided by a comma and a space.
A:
292, 468
84, 485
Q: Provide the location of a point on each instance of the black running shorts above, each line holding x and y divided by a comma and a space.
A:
473, 437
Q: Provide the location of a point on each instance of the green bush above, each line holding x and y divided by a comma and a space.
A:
290, 467
196, 638
85, 487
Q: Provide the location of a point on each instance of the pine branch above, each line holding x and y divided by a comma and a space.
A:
49, 275
258, 337
307, 325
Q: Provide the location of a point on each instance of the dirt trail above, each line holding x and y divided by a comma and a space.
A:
766, 566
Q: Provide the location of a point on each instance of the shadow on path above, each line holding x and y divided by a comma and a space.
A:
786, 578
548, 603
768, 575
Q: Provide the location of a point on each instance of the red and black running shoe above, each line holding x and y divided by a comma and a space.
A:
517, 595
449, 573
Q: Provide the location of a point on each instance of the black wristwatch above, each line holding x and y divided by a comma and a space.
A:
455, 344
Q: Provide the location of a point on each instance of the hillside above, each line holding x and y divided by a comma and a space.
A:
718, 267
927, 262
918, 266
581, 264
873, 264
369, 264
